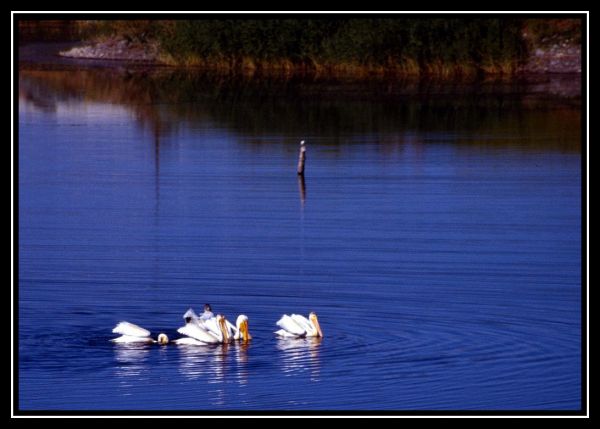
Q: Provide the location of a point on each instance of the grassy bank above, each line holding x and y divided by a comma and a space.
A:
343, 46
340, 46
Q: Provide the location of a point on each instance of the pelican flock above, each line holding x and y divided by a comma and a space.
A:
210, 329
215, 330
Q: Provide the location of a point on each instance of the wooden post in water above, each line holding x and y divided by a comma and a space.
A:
301, 158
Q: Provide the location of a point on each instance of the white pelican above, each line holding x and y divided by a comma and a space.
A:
131, 333
214, 331
297, 326
240, 330
203, 332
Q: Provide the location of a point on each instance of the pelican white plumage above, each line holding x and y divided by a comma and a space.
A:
297, 326
190, 316
131, 333
204, 332
214, 331
188, 341
195, 331
240, 331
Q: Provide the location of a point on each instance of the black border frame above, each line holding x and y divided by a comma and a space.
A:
583, 411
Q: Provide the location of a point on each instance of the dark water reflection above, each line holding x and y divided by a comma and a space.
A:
166, 101
437, 234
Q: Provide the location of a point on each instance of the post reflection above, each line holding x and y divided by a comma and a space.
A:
302, 189
301, 355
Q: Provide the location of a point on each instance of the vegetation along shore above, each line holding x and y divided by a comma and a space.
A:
349, 47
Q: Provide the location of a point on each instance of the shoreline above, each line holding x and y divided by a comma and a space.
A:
559, 58
45, 56
343, 48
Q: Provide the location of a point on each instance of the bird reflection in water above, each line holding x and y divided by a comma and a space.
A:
211, 363
203, 361
241, 357
131, 363
206, 362
301, 355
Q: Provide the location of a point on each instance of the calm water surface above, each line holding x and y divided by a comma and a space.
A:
437, 235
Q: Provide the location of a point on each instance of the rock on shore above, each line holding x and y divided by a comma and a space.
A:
116, 50
557, 58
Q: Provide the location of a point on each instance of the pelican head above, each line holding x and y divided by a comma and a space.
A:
313, 318
163, 339
223, 327
242, 325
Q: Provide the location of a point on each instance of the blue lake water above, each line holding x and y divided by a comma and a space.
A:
437, 235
